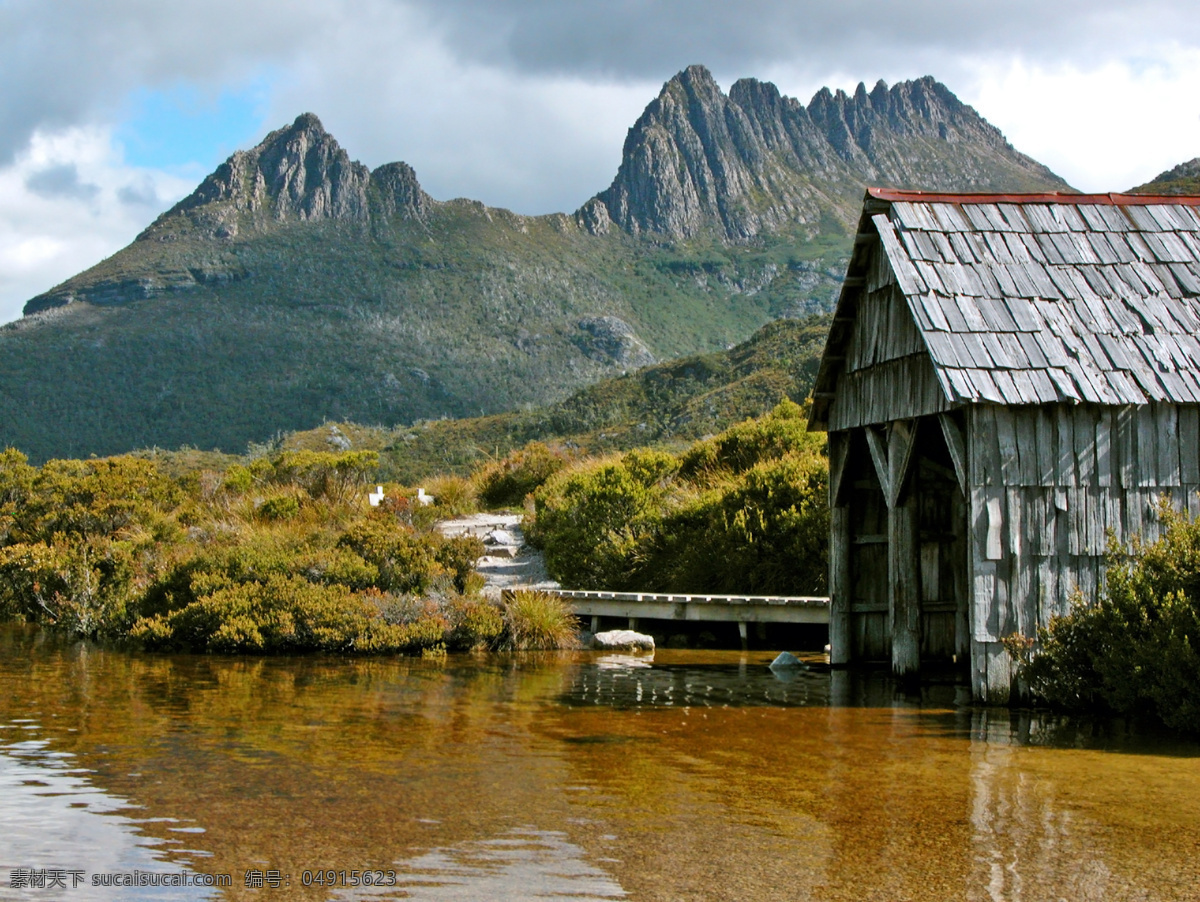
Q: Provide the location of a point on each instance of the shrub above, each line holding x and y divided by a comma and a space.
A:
453, 495
783, 431
337, 477
474, 622
237, 480
593, 520
1138, 648
506, 482
81, 587
279, 507
457, 555
93, 498
406, 561
537, 620
287, 614
745, 511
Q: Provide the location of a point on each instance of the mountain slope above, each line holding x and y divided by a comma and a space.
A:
675, 402
1183, 179
295, 285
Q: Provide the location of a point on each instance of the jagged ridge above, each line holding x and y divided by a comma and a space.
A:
753, 161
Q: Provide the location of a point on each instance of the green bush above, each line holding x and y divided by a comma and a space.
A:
80, 586
746, 511
506, 482
279, 507
594, 521
287, 614
782, 431
1138, 648
406, 561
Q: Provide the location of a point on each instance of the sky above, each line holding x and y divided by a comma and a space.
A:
112, 111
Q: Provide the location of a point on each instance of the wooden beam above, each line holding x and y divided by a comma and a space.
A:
901, 442
839, 452
958, 449
879, 457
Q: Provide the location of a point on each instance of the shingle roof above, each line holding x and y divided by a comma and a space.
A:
1030, 299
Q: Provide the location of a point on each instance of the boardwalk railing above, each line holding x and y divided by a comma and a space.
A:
740, 609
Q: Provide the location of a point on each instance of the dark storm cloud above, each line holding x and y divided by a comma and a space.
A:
633, 38
60, 181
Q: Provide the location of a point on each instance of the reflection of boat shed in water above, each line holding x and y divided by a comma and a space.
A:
1007, 380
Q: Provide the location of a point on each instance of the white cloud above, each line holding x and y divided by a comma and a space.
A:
1104, 128
67, 202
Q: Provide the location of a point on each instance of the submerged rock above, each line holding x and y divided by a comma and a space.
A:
627, 639
786, 661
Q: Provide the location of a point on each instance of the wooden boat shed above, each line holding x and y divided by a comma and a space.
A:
1008, 380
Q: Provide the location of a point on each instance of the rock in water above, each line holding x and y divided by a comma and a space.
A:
627, 639
786, 661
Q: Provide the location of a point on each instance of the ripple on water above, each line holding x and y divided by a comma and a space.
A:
523, 863
55, 819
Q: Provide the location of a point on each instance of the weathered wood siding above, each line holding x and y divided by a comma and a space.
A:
1048, 485
887, 373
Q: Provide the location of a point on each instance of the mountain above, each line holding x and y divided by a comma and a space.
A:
295, 285
754, 161
1183, 179
672, 403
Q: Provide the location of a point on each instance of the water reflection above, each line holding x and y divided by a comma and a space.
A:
56, 822
695, 775
523, 863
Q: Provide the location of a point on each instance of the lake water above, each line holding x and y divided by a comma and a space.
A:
689, 776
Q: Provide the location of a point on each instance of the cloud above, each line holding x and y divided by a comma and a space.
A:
625, 38
60, 180
67, 202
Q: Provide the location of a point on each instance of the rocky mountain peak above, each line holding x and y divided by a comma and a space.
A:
296, 173
754, 160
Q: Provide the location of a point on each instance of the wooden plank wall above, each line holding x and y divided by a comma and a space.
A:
1048, 484
887, 374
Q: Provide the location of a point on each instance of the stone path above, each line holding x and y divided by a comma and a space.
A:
509, 562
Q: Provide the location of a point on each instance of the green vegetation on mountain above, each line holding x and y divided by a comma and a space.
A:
668, 404
1183, 179
294, 286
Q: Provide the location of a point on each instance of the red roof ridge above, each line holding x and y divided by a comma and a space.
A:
1056, 197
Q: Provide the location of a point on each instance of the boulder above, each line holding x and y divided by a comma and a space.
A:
622, 639
500, 537
786, 661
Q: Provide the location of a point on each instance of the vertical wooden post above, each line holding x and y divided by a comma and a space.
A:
840, 652
904, 600
904, 586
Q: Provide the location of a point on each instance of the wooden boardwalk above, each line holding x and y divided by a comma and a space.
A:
740, 609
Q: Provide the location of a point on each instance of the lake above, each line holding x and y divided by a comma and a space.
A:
686, 775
